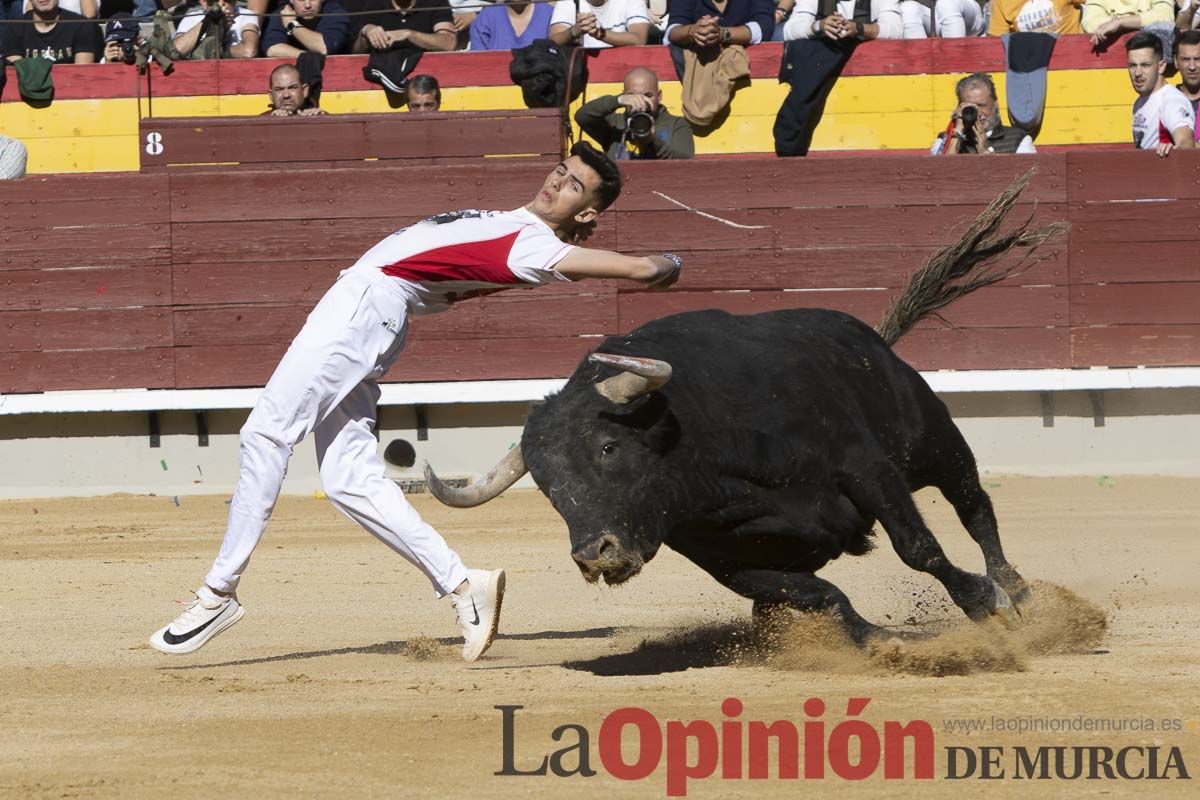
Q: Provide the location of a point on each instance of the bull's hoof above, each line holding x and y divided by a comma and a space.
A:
1003, 608
1014, 585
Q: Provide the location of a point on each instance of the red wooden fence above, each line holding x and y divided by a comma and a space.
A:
201, 280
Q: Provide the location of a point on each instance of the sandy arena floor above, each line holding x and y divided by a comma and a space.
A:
343, 679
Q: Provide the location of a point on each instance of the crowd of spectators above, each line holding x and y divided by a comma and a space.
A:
708, 39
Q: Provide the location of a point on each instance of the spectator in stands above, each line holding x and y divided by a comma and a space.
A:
13, 157
1163, 119
424, 94
883, 22
1034, 16
1106, 20
600, 23
405, 23
955, 19
85, 8
699, 24
1187, 61
1189, 16
121, 39
198, 35
68, 43
510, 24
290, 95
988, 134
314, 26
657, 134
465, 12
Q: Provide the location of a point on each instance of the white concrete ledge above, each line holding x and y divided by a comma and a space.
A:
517, 391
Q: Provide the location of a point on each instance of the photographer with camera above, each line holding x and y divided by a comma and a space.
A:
975, 124
217, 29
121, 39
636, 124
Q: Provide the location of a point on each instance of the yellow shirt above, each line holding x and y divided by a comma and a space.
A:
1041, 16
1097, 12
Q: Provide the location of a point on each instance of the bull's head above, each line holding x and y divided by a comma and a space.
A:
598, 450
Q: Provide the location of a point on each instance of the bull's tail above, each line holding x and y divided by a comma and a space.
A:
969, 263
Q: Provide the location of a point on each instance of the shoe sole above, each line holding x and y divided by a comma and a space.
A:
495, 585
193, 645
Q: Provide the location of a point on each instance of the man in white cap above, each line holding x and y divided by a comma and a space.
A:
13, 156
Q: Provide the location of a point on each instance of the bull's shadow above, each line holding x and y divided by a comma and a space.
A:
716, 645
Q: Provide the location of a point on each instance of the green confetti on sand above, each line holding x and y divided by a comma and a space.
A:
164, 464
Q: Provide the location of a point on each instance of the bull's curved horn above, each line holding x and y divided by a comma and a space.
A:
640, 375
506, 472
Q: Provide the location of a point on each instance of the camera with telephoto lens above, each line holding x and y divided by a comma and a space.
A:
970, 115
638, 125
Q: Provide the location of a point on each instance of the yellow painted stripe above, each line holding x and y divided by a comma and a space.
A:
863, 113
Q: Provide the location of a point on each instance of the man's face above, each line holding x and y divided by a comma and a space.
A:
423, 102
1144, 68
646, 86
979, 96
567, 193
307, 9
1187, 61
45, 7
287, 92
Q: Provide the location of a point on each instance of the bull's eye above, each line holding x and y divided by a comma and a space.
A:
608, 448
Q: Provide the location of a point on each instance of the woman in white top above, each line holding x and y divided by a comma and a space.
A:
600, 23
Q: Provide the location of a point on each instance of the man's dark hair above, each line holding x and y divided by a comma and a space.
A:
1191, 37
425, 84
1143, 40
610, 177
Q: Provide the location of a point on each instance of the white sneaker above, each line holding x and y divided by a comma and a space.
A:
204, 618
479, 610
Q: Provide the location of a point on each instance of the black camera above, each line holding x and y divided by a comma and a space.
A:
638, 125
970, 116
128, 49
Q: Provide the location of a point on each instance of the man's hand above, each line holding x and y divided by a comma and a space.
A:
584, 24
311, 112
668, 266
1164, 149
634, 102
706, 31
112, 52
833, 25
1106, 31
287, 15
377, 37
398, 36
282, 112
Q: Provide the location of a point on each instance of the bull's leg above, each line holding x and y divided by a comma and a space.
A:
802, 591
884, 494
974, 509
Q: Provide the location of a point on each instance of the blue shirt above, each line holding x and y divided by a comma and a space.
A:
737, 13
492, 29
332, 24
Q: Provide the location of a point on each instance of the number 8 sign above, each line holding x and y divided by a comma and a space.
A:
154, 145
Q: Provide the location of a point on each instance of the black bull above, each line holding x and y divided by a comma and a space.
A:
762, 447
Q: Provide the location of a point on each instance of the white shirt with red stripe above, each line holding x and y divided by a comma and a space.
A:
1157, 116
464, 254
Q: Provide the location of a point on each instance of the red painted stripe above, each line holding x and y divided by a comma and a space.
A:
344, 73
478, 262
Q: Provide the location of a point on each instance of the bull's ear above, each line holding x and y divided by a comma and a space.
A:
651, 415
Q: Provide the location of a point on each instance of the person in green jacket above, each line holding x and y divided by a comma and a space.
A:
636, 124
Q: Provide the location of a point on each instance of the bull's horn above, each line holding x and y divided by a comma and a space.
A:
640, 375
507, 472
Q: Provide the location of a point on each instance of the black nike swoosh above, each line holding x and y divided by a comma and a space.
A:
476, 610
180, 638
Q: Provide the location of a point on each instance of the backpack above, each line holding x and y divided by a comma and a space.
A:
540, 69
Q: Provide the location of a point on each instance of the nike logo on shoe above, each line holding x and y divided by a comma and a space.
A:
180, 638
476, 610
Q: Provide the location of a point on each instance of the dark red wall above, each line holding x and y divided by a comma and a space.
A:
201, 280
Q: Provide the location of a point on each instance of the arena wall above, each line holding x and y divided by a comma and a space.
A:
894, 95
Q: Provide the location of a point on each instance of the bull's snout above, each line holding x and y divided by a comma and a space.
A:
604, 555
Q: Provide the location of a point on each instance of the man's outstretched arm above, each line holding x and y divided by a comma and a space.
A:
658, 272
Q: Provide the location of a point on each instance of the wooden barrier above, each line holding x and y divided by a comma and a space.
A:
349, 140
201, 280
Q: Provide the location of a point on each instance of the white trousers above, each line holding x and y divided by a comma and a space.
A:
955, 19
326, 383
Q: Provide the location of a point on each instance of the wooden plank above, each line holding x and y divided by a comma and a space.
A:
337, 194
1132, 175
994, 307
65, 370
237, 241
105, 287
71, 247
276, 281
1136, 304
1158, 221
85, 329
849, 181
986, 348
1134, 262
48, 201
1136, 345
433, 360
524, 314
